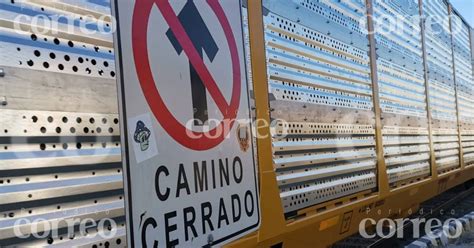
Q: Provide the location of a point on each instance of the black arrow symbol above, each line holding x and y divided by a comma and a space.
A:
203, 41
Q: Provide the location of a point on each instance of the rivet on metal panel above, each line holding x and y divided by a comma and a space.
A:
3, 101
210, 239
2, 72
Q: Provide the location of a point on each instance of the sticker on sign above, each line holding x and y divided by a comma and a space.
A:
190, 173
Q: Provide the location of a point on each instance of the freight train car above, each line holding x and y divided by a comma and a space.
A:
369, 119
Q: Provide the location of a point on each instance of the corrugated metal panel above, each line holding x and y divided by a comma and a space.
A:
465, 85
441, 83
60, 146
402, 90
321, 100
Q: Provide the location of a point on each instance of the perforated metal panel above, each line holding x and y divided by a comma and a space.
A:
465, 86
402, 90
441, 84
321, 95
59, 133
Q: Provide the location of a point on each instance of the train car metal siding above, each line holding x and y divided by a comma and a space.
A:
319, 225
402, 91
321, 100
441, 86
60, 153
464, 86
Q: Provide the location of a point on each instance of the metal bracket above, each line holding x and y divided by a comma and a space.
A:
2, 72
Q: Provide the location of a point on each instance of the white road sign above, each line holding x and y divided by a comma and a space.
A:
190, 174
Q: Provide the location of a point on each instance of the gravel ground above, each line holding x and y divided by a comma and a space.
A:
466, 241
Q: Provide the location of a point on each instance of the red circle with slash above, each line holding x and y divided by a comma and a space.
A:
194, 140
